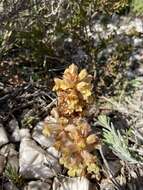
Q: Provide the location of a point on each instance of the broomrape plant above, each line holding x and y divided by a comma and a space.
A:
73, 91
67, 125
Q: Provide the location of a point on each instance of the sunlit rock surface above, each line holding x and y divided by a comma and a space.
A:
3, 136
34, 161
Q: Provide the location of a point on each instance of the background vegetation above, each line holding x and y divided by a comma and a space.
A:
39, 39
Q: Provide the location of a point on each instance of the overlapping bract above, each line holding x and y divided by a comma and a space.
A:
73, 91
71, 133
74, 139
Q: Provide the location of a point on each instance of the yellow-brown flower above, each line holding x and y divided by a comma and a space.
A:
53, 124
74, 90
75, 141
72, 135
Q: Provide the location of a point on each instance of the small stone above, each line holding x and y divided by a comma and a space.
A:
39, 137
140, 171
3, 136
13, 124
34, 161
37, 185
8, 150
139, 25
139, 71
14, 129
1, 86
106, 184
25, 133
9, 186
138, 42
54, 152
111, 27
77, 183
133, 174
137, 57
98, 27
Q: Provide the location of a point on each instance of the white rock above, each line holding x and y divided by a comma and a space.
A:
1, 86
106, 184
54, 152
24, 133
3, 136
9, 186
98, 27
78, 183
111, 27
127, 25
89, 31
138, 23
122, 29
15, 137
138, 42
37, 185
13, 124
68, 39
139, 71
14, 129
138, 57
8, 150
1, 7
34, 161
38, 136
